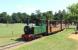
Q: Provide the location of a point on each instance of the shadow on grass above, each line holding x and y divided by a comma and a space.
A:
19, 39
70, 28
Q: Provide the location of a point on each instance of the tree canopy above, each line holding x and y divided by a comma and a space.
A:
70, 15
73, 12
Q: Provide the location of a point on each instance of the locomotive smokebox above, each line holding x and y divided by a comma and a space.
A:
29, 29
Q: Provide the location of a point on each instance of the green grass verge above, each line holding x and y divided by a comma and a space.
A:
10, 32
11, 29
6, 41
57, 41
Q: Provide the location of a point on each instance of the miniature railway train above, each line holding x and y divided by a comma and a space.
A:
41, 28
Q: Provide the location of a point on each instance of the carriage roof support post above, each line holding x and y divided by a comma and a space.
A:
61, 25
76, 28
50, 26
61, 22
47, 26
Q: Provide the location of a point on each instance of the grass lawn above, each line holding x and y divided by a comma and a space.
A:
10, 32
11, 29
57, 41
5, 41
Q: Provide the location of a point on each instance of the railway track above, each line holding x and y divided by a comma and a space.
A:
6, 47
17, 44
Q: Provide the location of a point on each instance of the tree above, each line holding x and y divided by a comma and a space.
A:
49, 15
38, 14
33, 17
64, 13
15, 18
38, 17
73, 11
3, 17
9, 19
19, 15
58, 15
24, 17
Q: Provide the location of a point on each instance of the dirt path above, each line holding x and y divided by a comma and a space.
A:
73, 36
